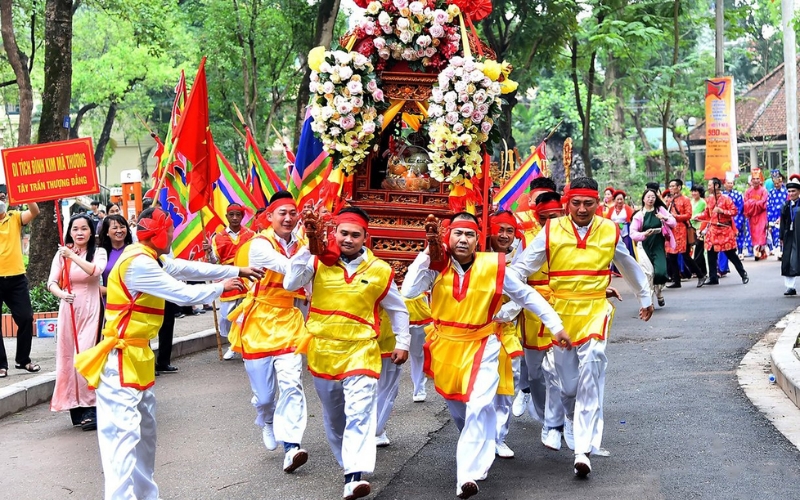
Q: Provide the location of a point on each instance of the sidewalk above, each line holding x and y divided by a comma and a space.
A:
21, 389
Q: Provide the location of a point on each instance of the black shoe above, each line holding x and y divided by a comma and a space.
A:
179, 315
745, 279
89, 422
790, 291
701, 281
167, 369
661, 301
676, 284
708, 282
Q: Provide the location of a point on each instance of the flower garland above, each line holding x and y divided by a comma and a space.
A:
463, 109
421, 32
346, 98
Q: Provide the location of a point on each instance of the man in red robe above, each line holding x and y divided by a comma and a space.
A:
755, 209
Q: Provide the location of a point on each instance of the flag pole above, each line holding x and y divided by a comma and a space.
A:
214, 302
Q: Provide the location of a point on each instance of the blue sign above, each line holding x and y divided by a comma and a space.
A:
46, 327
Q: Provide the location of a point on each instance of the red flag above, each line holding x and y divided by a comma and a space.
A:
194, 141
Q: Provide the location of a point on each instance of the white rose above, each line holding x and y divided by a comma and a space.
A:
384, 19
345, 72
423, 41
379, 42
325, 68
328, 87
373, 8
450, 97
327, 112
403, 23
416, 8
450, 107
460, 86
406, 36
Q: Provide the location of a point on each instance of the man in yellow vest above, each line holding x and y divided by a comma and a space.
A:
223, 250
349, 285
267, 327
122, 366
463, 348
505, 232
578, 251
527, 213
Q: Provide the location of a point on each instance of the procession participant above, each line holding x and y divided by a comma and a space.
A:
266, 328
537, 342
75, 276
122, 366
349, 283
777, 199
720, 235
755, 209
527, 216
680, 207
505, 231
790, 236
740, 222
578, 250
14, 284
222, 249
463, 349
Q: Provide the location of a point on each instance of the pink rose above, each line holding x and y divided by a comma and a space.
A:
354, 87
467, 109
379, 42
372, 86
378, 95
477, 116
430, 51
400, 4
369, 127
440, 17
436, 31
347, 122
451, 118
486, 127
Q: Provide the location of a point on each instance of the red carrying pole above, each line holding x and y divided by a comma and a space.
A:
487, 181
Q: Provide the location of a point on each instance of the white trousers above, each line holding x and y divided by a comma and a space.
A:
554, 412
126, 431
477, 420
789, 281
416, 358
349, 413
279, 378
225, 308
582, 372
545, 388
388, 387
502, 404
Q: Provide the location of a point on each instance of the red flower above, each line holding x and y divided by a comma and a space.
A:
474, 9
362, 3
366, 47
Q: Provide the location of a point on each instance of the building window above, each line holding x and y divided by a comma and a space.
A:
775, 160
12, 108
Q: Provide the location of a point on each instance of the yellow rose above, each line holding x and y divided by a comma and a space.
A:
492, 69
316, 57
507, 86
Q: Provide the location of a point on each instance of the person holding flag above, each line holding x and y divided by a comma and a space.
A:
463, 349
222, 249
122, 366
350, 284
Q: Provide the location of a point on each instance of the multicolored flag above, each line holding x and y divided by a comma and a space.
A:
519, 182
312, 166
193, 139
261, 179
229, 189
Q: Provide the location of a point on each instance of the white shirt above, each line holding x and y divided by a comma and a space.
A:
534, 256
300, 272
144, 275
420, 278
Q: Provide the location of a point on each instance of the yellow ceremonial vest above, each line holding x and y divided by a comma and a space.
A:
343, 319
267, 323
530, 223
131, 321
463, 318
534, 334
579, 275
227, 247
419, 313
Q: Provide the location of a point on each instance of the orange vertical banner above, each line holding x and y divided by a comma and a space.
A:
722, 152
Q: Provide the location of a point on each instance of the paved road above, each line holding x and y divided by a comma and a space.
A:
689, 431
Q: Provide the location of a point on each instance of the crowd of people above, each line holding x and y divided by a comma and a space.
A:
526, 317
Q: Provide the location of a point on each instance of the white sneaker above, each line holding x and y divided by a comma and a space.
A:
419, 398
503, 451
569, 436
520, 403
468, 489
483, 476
381, 440
356, 489
601, 452
293, 459
229, 354
268, 437
551, 438
582, 465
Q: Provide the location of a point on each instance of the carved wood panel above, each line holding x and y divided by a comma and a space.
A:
392, 245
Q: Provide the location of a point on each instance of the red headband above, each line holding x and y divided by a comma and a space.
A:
281, 202
352, 218
155, 228
504, 218
548, 206
620, 192
573, 192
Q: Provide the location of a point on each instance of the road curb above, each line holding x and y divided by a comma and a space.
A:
784, 362
31, 392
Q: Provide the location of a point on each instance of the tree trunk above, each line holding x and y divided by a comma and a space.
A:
666, 115
19, 63
105, 135
55, 106
323, 35
584, 113
507, 122
651, 163
76, 125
